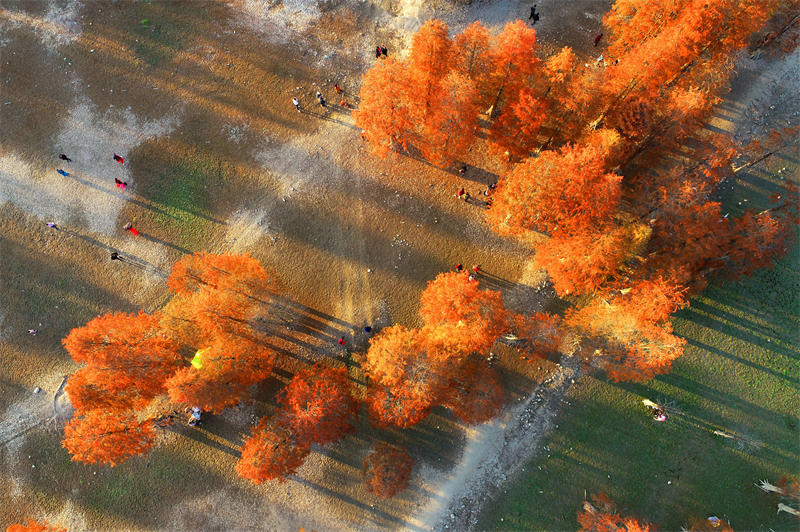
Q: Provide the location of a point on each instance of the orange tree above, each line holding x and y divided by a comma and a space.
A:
387, 470
273, 452
130, 360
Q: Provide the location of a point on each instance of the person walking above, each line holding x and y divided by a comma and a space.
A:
64, 157
597, 39
131, 229
461, 193
62, 172
52, 225
341, 340
117, 256
296, 103
463, 170
119, 159
320, 99
337, 88
534, 16
120, 184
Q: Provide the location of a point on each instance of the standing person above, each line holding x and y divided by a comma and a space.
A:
463, 170
120, 184
341, 340
119, 159
460, 192
377, 52
194, 416
296, 103
52, 224
62, 172
64, 157
337, 88
320, 99
117, 256
384, 51
597, 39
459, 267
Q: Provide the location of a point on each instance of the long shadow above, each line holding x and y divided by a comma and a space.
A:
155, 240
735, 332
494, 281
711, 349
88, 239
349, 500
198, 435
127, 258
142, 264
711, 394
329, 118
721, 314
123, 197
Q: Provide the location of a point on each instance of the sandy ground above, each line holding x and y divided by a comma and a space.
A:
197, 100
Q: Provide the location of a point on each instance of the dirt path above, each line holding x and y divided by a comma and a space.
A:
495, 452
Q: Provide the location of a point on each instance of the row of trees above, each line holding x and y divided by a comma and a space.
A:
624, 176
210, 344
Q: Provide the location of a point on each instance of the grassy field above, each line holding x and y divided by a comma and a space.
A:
739, 375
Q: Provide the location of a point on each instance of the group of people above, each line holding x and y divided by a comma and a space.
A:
117, 182
464, 195
321, 100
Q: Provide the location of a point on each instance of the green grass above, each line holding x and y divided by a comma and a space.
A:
183, 194
740, 374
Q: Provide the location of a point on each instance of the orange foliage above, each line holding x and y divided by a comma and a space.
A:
382, 113
34, 526
109, 438
87, 390
513, 63
403, 405
424, 100
514, 132
471, 52
125, 351
230, 366
475, 394
273, 451
602, 516
633, 343
582, 263
664, 47
318, 405
238, 273
539, 333
387, 470
470, 318
569, 190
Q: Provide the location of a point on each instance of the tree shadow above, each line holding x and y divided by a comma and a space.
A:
155, 240
368, 508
